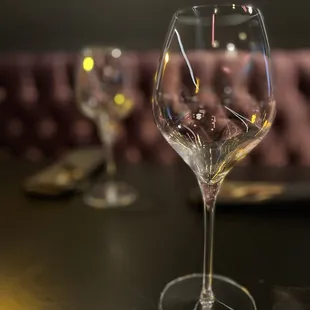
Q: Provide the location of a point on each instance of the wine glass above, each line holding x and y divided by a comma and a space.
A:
213, 103
104, 95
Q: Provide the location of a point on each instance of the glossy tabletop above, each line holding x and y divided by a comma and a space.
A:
60, 254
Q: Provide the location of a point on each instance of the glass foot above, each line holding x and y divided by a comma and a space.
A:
110, 195
183, 294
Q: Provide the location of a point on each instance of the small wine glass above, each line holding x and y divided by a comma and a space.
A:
213, 103
104, 96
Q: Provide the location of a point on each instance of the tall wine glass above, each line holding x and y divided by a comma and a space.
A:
213, 102
104, 95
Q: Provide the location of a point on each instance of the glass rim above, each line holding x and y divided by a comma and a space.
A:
88, 49
185, 10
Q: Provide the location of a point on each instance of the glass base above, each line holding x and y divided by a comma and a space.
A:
110, 195
183, 294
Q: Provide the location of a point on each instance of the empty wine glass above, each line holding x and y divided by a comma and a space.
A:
213, 102
105, 96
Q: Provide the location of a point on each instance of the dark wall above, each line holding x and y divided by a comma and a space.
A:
70, 24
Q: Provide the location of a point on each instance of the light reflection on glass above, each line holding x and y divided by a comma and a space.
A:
128, 104
167, 58
215, 44
253, 118
185, 57
119, 99
197, 86
116, 53
88, 63
244, 8
242, 36
227, 90
231, 47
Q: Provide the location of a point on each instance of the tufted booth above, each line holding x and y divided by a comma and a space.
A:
39, 118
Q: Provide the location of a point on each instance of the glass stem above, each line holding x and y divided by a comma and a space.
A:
209, 193
111, 165
106, 133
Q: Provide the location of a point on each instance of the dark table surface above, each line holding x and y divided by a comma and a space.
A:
66, 256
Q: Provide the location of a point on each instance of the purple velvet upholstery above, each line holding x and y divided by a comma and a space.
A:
39, 118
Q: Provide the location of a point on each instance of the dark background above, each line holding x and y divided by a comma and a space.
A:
137, 24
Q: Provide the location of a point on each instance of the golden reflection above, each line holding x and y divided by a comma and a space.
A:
88, 63
14, 296
253, 118
165, 64
119, 99
124, 104
166, 58
266, 124
128, 104
197, 86
254, 191
155, 77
